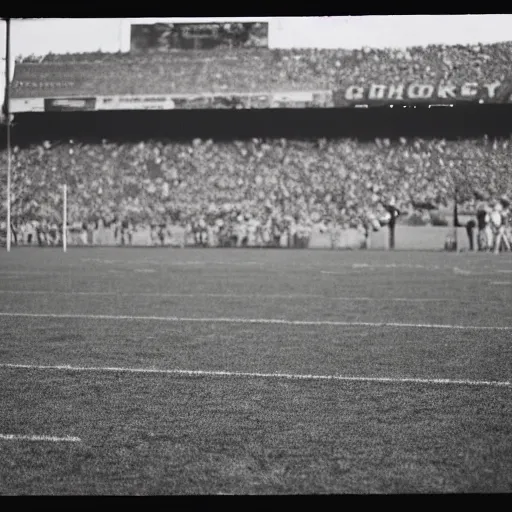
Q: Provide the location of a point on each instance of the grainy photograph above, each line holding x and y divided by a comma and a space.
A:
256, 256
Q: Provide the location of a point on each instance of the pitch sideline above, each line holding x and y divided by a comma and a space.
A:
277, 375
53, 439
269, 321
290, 296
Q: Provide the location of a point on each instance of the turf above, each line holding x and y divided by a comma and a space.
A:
181, 434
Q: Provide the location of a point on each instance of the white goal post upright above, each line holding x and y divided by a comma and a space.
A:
65, 218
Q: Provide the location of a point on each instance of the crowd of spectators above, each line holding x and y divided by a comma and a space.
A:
257, 70
260, 186
257, 187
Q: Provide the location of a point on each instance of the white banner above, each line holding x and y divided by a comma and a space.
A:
17, 105
292, 97
414, 92
135, 102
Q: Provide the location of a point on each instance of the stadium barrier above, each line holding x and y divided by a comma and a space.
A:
428, 238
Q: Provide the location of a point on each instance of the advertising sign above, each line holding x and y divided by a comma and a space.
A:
374, 94
69, 104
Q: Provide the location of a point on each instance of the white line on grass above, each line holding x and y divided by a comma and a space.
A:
16, 273
270, 321
174, 263
248, 295
289, 376
14, 437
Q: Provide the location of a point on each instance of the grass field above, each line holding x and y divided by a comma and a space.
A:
184, 371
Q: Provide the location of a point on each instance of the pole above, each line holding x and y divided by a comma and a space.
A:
455, 185
65, 219
8, 116
456, 221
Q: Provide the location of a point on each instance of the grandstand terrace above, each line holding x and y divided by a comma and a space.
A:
313, 165
258, 70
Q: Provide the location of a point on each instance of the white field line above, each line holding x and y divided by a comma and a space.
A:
289, 296
342, 270
455, 271
15, 273
14, 437
174, 263
28, 272
289, 376
269, 321
500, 282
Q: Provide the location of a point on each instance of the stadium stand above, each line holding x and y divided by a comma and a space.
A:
272, 183
245, 70
345, 181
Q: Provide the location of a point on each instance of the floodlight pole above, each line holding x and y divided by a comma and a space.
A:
8, 120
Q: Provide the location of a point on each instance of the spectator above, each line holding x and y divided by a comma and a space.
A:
260, 69
240, 185
258, 191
